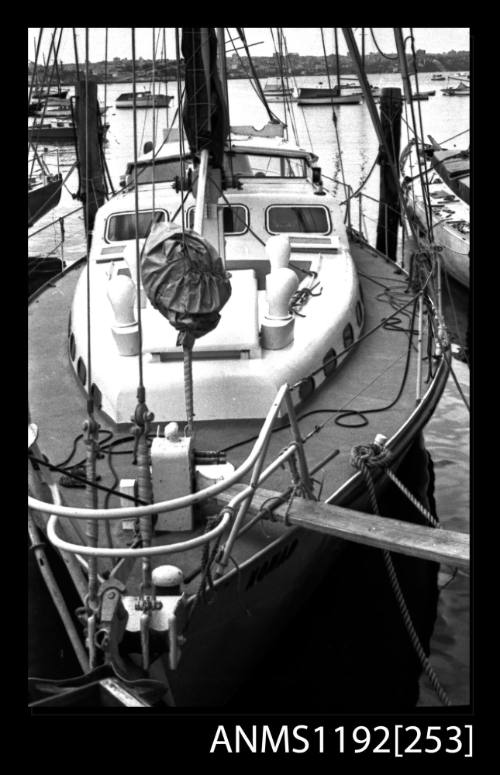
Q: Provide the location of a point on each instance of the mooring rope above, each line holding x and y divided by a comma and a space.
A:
370, 456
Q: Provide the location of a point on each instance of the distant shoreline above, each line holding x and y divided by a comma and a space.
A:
238, 76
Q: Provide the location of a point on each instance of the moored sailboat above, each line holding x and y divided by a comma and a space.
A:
223, 286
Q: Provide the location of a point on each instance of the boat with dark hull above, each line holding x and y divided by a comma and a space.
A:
55, 130
324, 96
276, 90
251, 320
143, 99
461, 90
44, 193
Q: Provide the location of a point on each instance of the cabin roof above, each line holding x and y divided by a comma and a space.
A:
237, 144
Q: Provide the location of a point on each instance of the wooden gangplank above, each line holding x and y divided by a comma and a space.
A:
395, 535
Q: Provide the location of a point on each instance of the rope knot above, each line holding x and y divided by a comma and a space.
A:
370, 456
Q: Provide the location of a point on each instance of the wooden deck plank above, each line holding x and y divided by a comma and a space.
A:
395, 535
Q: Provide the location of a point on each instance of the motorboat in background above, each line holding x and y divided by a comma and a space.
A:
327, 96
143, 99
276, 90
462, 90
449, 225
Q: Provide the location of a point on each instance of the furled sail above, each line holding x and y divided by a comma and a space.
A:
182, 273
204, 114
184, 279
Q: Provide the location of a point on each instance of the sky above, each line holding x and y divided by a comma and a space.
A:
300, 40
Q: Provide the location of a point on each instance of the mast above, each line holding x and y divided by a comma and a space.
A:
337, 62
370, 102
389, 214
221, 63
405, 76
207, 127
92, 191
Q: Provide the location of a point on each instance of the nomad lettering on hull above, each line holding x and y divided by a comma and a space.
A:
274, 562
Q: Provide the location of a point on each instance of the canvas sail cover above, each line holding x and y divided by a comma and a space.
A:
184, 278
204, 114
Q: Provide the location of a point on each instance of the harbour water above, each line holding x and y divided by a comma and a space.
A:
347, 150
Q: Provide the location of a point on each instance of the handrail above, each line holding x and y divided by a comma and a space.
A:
59, 218
164, 549
176, 503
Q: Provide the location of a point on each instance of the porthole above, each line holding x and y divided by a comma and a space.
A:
306, 388
330, 362
359, 313
72, 346
96, 395
81, 371
348, 336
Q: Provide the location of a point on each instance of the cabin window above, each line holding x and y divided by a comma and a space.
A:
96, 395
297, 219
359, 313
267, 166
121, 226
72, 346
306, 388
348, 336
81, 370
159, 172
235, 219
330, 362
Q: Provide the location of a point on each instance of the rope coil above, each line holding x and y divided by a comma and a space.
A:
363, 459
370, 455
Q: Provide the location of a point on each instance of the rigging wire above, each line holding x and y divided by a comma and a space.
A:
181, 133
334, 114
106, 71
301, 107
449, 139
153, 166
36, 122
283, 78
87, 228
256, 82
136, 215
75, 46
386, 56
419, 110
35, 65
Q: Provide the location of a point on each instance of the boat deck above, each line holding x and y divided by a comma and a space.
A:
371, 380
